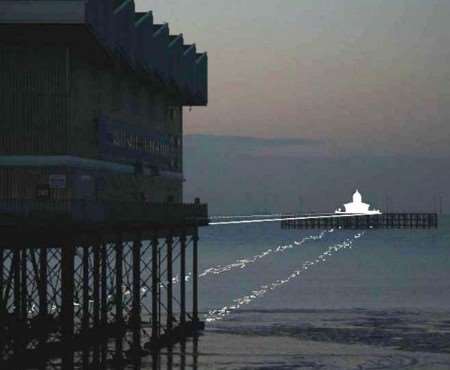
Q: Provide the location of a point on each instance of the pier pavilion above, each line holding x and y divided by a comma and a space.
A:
91, 179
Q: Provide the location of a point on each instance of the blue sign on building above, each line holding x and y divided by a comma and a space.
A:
119, 141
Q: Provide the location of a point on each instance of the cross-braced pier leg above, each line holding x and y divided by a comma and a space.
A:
68, 299
195, 317
169, 243
96, 285
67, 304
136, 310
155, 289
183, 281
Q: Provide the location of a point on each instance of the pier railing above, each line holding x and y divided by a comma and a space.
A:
377, 221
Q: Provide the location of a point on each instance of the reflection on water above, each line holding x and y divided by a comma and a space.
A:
292, 339
181, 356
121, 354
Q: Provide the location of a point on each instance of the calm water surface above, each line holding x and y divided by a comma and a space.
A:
283, 299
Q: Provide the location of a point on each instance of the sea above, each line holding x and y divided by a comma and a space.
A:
320, 299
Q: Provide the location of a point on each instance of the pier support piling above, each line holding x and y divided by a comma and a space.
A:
155, 289
169, 243
96, 285
75, 295
136, 311
195, 239
67, 304
183, 281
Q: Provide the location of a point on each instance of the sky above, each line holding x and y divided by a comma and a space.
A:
255, 176
357, 76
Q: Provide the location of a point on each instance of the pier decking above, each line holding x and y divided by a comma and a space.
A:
381, 221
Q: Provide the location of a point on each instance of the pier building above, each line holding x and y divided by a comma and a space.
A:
95, 232
92, 102
357, 206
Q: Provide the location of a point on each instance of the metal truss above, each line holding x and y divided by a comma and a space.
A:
68, 302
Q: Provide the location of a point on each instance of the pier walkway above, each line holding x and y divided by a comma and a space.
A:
376, 221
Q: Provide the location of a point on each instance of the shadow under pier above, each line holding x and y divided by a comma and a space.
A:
92, 295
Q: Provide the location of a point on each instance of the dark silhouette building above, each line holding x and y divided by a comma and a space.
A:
91, 102
91, 183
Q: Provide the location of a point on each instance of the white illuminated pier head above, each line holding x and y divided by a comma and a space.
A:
357, 207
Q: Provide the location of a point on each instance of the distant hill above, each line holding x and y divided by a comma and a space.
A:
243, 175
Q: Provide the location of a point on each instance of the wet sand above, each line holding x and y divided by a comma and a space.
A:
328, 340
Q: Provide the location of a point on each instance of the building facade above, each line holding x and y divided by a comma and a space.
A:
91, 102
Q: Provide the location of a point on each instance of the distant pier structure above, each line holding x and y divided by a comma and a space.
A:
375, 221
359, 215
96, 240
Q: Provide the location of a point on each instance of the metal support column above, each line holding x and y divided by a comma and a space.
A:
136, 313
104, 285
16, 296
119, 279
67, 309
43, 283
169, 242
16, 269
119, 298
2, 304
183, 280
96, 286
23, 296
160, 304
195, 353
85, 319
96, 300
195, 277
183, 354
155, 285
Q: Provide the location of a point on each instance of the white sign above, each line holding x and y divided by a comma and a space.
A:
57, 181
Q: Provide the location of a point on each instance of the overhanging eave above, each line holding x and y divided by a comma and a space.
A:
39, 12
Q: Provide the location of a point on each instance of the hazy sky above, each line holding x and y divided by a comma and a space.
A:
355, 74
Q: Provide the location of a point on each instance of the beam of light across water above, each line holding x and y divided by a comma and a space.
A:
243, 263
222, 223
220, 314
248, 216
